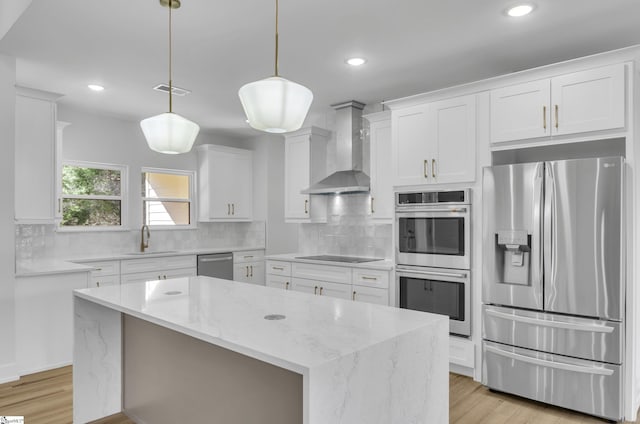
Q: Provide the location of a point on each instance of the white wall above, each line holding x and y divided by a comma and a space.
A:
7, 282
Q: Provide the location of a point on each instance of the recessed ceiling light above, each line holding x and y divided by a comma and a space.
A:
356, 61
95, 87
520, 10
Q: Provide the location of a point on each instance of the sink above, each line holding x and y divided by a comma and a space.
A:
151, 252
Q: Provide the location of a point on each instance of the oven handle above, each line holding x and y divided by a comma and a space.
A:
436, 273
454, 209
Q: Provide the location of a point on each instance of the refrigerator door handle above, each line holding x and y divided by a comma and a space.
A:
549, 364
537, 242
549, 234
593, 328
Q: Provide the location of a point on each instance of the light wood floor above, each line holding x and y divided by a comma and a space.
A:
46, 398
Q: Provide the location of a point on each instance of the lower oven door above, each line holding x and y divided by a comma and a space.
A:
439, 291
587, 386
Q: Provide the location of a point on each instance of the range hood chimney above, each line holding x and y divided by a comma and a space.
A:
349, 177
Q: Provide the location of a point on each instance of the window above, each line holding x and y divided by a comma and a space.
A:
92, 195
167, 197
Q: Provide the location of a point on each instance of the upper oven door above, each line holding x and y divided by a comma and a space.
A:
437, 237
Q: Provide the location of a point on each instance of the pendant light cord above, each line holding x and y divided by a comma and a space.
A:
276, 74
170, 82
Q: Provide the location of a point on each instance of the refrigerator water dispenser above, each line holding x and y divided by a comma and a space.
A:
514, 262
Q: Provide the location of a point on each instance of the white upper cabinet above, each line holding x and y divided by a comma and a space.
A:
520, 111
592, 100
305, 163
452, 130
434, 143
225, 183
381, 200
35, 156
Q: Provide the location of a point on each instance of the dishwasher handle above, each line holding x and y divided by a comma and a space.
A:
224, 258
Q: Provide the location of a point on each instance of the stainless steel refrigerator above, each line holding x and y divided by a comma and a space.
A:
553, 283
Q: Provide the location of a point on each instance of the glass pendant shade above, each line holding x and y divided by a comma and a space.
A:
275, 104
169, 133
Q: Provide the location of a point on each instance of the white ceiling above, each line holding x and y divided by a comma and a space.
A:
412, 46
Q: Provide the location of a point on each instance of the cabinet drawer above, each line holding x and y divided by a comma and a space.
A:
157, 264
336, 274
280, 282
157, 275
104, 268
279, 268
371, 278
322, 288
104, 280
248, 256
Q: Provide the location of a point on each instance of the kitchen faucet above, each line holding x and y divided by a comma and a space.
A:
144, 245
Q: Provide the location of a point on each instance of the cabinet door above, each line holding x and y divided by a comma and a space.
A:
241, 186
589, 101
381, 201
103, 280
241, 272
296, 177
370, 295
305, 286
256, 273
409, 134
452, 130
35, 177
221, 182
521, 111
278, 281
341, 291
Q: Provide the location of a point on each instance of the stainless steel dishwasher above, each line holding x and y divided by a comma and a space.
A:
218, 265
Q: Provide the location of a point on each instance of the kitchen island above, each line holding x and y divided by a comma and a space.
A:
201, 349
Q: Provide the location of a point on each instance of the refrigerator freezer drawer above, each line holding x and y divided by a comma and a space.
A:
585, 338
590, 387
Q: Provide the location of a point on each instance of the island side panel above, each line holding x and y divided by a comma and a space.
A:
401, 380
170, 377
97, 361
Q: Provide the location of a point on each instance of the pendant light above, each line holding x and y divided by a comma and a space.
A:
169, 132
275, 104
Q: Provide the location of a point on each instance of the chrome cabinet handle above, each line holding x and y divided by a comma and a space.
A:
97, 283
247, 257
321, 290
556, 116
233, 209
364, 277
228, 209
306, 206
433, 168
372, 210
251, 267
279, 268
246, 274
425, 168
353, 296
315, 290
544, 117
286, 285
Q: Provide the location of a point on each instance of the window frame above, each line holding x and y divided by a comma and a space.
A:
124, 197
191, 200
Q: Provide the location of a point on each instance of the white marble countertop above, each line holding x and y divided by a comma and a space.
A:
383, 264
61, 266
316, 329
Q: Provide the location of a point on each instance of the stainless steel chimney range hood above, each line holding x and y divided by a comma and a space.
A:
349, 177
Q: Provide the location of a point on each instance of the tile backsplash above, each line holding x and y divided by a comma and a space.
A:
42, 241
349, 230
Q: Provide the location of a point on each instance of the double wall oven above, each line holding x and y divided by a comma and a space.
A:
433, 254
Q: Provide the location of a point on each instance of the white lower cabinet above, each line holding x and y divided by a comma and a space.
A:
278, 282
248, 267
158, 268
44, 320
370, 295
161, 274
344, 282
104, 273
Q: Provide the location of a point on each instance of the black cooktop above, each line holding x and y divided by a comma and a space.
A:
330, 258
